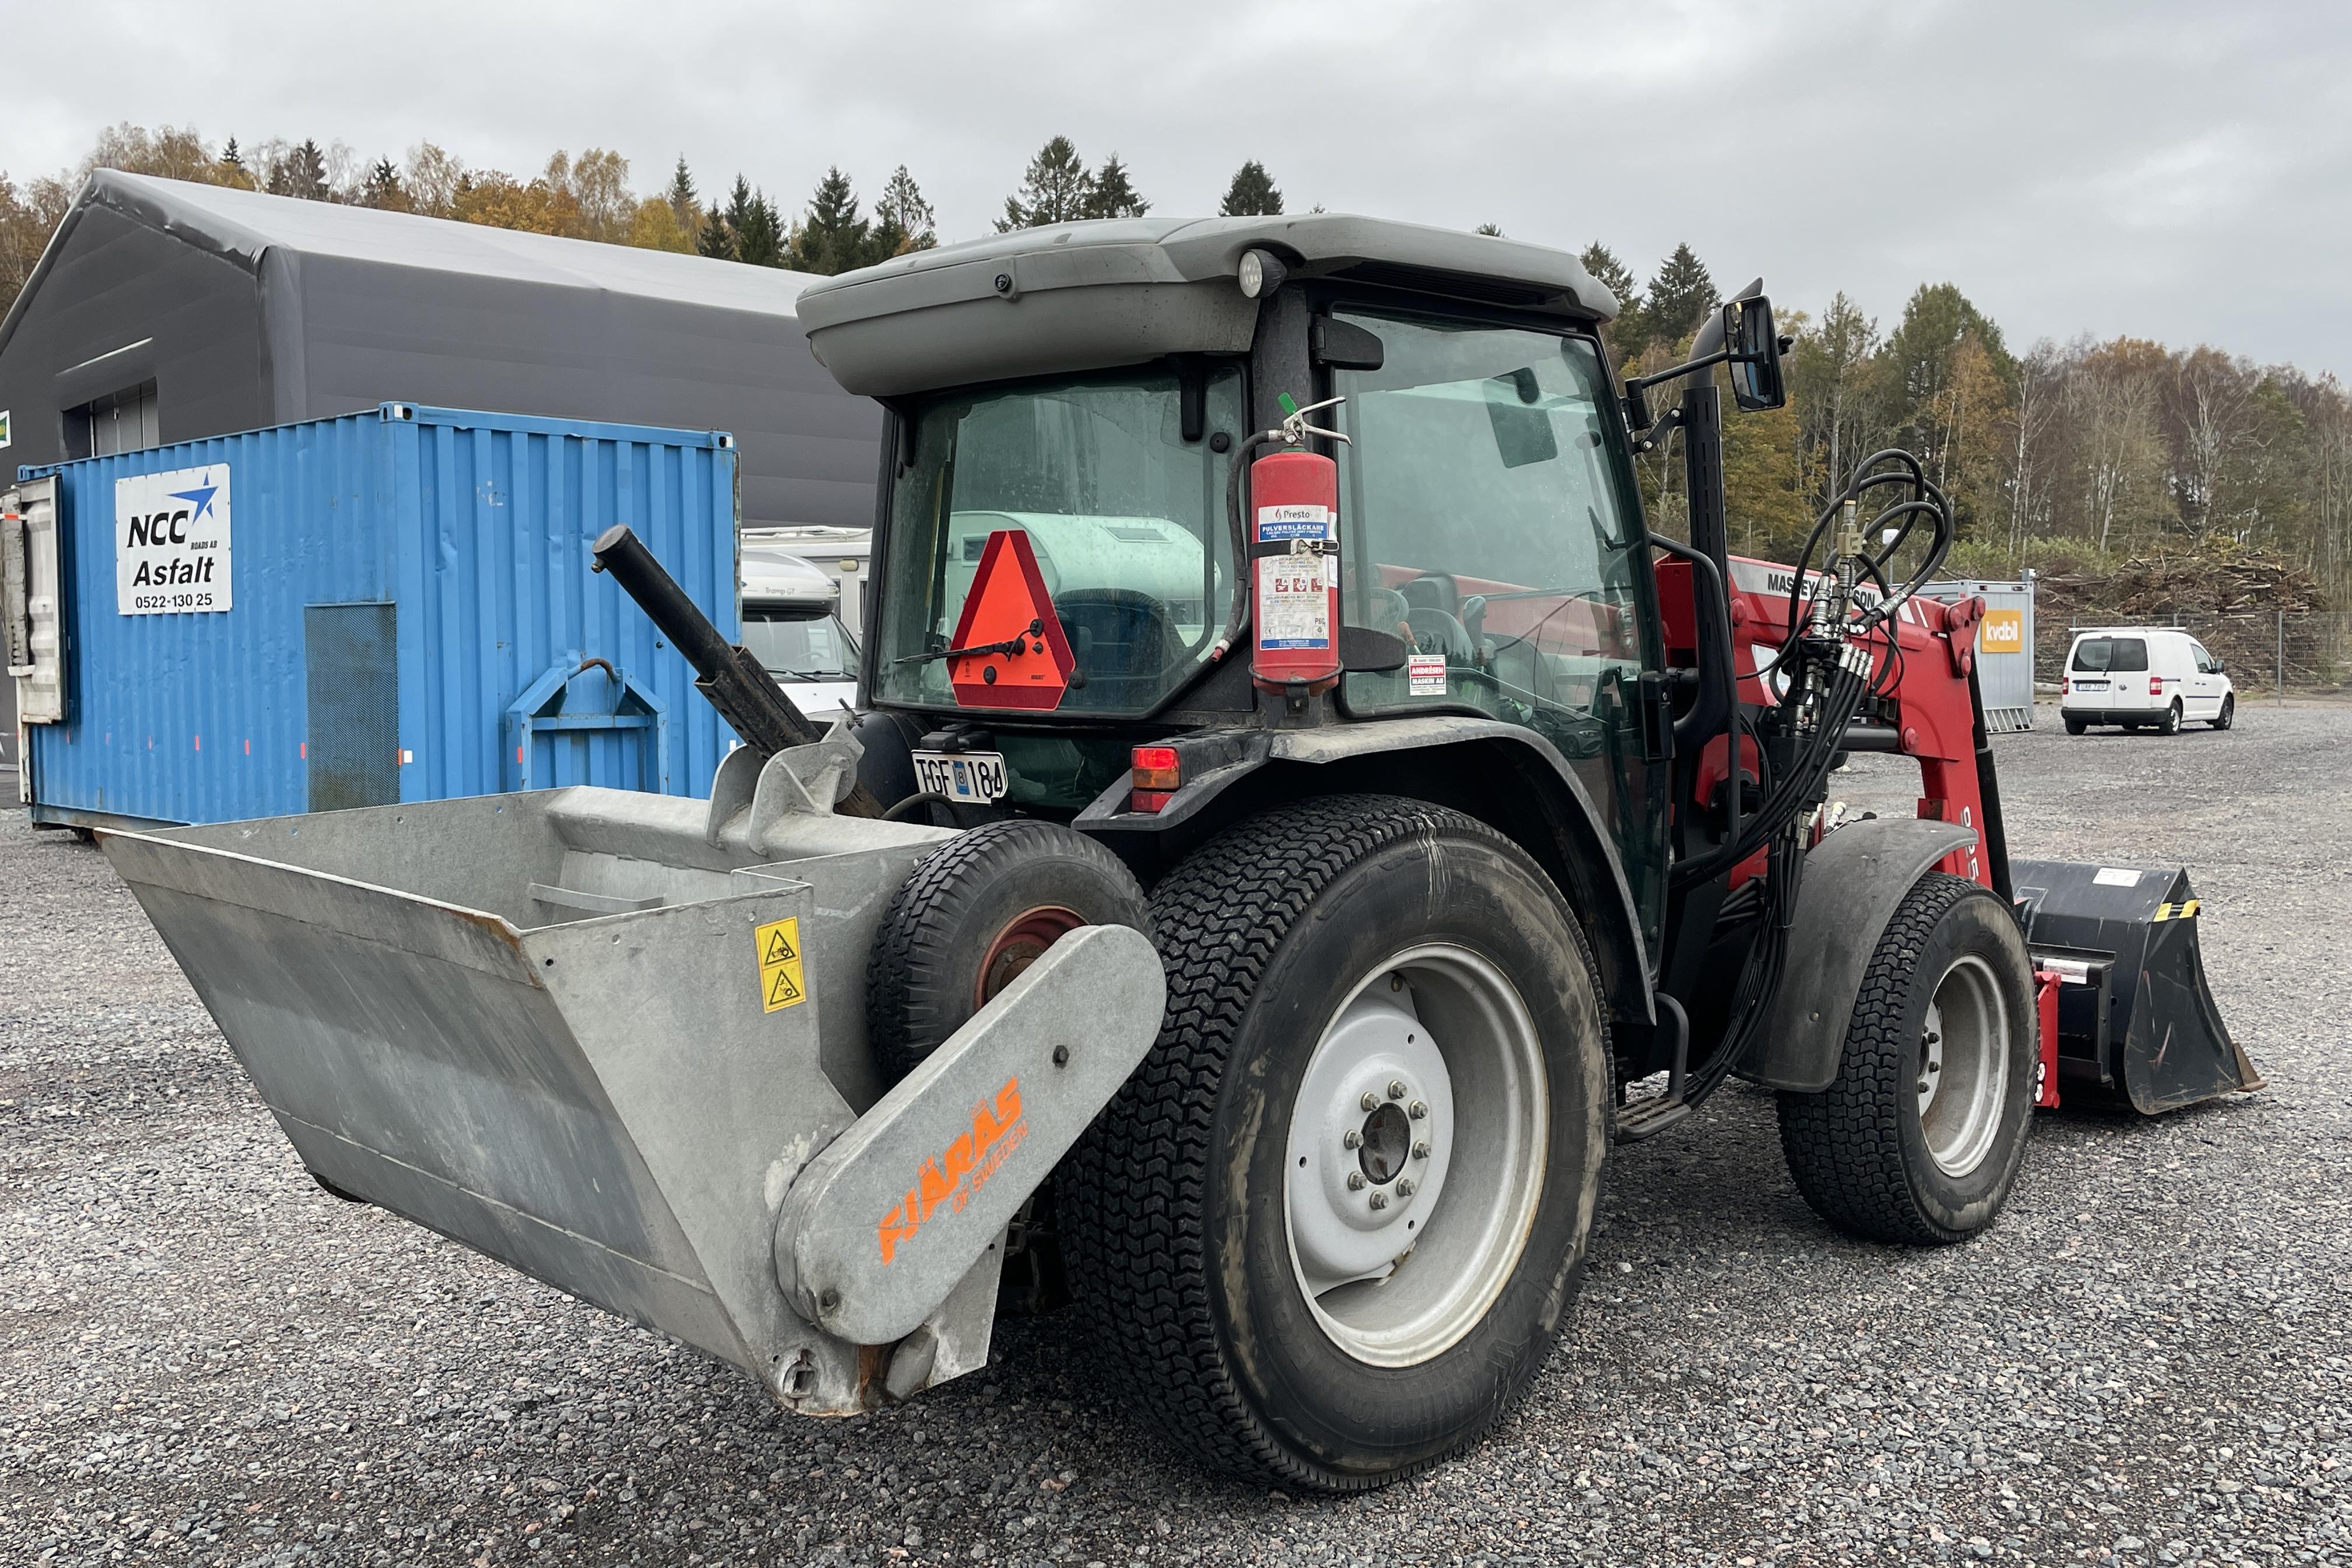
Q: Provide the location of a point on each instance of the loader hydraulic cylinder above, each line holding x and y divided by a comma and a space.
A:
746, 696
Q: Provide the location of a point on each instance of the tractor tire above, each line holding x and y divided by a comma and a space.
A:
2076, 726
2172, 723
1373, 1005
1948, 1004
975, 912
2228, 714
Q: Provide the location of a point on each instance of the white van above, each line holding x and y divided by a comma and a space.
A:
792, 624
2153, 676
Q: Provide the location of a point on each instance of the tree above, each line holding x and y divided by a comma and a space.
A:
1488, 229
1252, 193
383, 189
1622, 335
1112, 193
301, 171
1945, 374
714, 240
654, 226
1054, 189
755, 226
685, 205
902, 218
432, 178
1679, 297
1830, 381
230, 155
593, 194
832, 238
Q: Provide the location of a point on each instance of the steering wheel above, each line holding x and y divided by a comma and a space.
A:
1387, 610
1435, 631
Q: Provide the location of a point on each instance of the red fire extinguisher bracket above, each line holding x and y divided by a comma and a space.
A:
1294, 586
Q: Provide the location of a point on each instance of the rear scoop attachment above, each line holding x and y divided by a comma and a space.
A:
2137, 1022
617, 1041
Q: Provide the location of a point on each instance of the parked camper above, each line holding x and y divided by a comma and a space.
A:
793, 625
844, 554
2144, 678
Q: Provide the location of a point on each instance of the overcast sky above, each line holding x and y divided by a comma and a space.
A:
2172, 170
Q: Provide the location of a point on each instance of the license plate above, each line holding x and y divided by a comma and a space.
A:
2090, 686
975, 776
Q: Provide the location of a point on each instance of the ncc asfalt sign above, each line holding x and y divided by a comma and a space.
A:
171, 542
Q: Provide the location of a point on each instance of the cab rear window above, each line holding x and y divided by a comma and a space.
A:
2111, 655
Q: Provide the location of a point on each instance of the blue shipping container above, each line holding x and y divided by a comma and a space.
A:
393, 605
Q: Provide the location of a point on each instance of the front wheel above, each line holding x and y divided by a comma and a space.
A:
1920, 1136
2228, 714
1332, 1223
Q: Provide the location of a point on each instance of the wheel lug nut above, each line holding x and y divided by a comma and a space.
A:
1370, 1102
1923, 1085
1396, 1088
1420, 1150
1355, 1180
1417, 1109
1380, 1200
1405, 1187
1352, 1138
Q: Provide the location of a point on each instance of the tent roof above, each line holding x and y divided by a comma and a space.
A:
240, 226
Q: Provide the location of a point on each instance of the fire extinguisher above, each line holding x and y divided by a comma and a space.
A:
1294, 546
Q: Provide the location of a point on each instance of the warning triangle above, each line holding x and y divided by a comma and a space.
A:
1025, 668
780, 989
778, 949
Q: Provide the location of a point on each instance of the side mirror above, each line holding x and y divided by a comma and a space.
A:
2219, 667
1755, 348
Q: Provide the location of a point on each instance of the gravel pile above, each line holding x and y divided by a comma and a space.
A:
205, 1358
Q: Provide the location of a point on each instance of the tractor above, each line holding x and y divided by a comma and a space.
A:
1301, 813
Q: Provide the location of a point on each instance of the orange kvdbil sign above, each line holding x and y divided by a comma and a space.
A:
1018, 656
2001, 631
958, 1173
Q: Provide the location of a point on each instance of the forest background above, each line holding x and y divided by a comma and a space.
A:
2103, 464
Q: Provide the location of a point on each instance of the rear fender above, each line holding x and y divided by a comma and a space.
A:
1504, 774
1853, 881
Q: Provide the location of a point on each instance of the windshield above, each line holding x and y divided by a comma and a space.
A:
796, 642
1125, 518
2120, 656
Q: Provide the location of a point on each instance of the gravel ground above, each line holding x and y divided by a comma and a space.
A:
205, 1358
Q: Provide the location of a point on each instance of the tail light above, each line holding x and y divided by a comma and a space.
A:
1154, 777
2156, 686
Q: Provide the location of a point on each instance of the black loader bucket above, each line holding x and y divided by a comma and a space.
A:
2137, 1022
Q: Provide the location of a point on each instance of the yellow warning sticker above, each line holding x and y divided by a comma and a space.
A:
781, 981
2182, 912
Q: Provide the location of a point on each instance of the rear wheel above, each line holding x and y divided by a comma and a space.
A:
1332, 1226
976, 912
2228, 714
1920, 1136
2076, 726
2171, 725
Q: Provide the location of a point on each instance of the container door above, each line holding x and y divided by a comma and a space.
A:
32, 601
351, 686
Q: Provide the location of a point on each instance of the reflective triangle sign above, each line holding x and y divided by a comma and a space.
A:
1018, 655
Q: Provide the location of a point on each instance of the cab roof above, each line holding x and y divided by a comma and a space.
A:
1115, 291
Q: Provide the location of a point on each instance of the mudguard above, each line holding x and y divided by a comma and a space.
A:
1853, 881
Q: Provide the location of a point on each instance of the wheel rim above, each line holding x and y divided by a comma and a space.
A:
1428, 1090
1020, 944
1963, 1067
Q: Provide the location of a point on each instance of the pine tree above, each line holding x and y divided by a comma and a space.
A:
682, 197
1680, 297
1252, 193
301, 173
1113, 194
1492, 230
902, 218
755, 226
231, 156
1622, 335
832, 238
382, 188
714, 240
1054, 189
